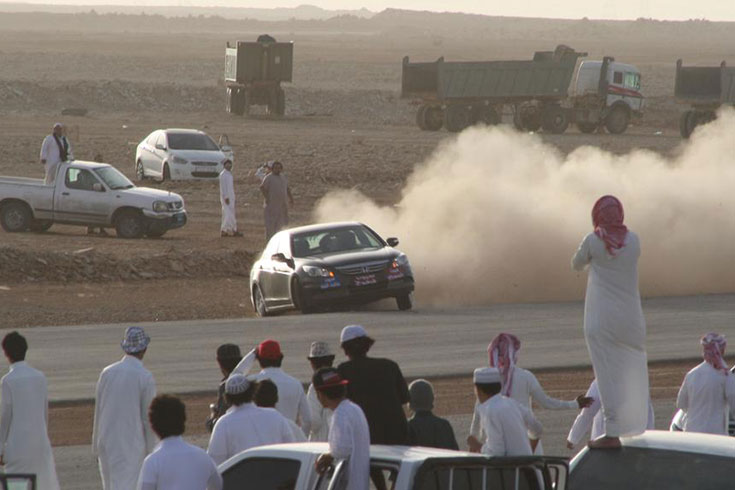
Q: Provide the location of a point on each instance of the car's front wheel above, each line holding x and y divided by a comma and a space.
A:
405, 302
259, 302
297, 297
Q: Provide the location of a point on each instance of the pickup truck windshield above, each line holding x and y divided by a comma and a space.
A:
191, 141
113, 178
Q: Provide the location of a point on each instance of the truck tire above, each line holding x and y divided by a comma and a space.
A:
485, 114
687, 123
587, 127
421, 117
517, 123
235, 100
457, 118
280, 102
530, 120
555, 119
15, 216
40, 225
433, 118
129, 224
617, 120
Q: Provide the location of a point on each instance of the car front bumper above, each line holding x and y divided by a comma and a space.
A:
166, 221
322, 293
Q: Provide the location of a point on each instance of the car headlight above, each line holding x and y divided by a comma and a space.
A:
160, 206
179, 160
314, 271
402, 259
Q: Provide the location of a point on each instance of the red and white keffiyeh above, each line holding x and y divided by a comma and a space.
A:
503, 354
714, 345
607, 219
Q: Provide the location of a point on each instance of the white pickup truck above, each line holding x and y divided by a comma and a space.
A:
291, 467
89, 194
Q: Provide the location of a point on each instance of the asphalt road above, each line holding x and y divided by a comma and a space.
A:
426, 341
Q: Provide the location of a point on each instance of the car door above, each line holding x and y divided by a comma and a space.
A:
282, 272
266, 270
78, 200
160, 152
147, 155
262, 473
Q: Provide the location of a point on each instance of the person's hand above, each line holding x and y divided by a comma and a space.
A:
534, 444
323, 463
570, 445
474, 444
584, 401
227, 201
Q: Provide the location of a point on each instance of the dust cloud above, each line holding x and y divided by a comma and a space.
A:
495, 216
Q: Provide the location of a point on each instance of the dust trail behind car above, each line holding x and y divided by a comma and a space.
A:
494, 215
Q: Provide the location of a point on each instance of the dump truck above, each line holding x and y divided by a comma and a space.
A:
254, 72
456, 95
705, 89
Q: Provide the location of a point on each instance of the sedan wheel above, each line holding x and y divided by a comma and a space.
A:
139, 172
260, 308
298, 298
405, 302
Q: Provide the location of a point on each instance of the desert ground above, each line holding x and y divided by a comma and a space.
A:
346, 127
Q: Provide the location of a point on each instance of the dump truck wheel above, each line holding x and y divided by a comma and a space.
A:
617, 120
420, 115
456, 118
235, 101
587, 127
280, 102
555, 119
687, 123
530, 121
433, 118
517, 123
485, 114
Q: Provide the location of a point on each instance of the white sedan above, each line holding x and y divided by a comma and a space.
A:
180, 154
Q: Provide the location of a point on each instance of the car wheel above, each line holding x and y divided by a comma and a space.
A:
259, 302
139, 171
129, 224
298, 297
166, 174
405, 302
15, 216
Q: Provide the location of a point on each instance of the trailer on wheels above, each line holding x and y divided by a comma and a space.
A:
456, 95
705, 89
254, 72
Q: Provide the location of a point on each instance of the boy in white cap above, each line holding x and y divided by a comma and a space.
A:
122, 435
507, 424
320, 356
245, 425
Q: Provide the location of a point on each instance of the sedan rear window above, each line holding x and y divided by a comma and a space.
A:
191, 141
631, 468
336, 240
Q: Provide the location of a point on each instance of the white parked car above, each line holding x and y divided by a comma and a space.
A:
181, 154
657, 460
291, 466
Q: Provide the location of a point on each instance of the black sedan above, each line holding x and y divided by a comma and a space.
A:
323, 265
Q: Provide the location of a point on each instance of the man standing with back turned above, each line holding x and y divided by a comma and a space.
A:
122, 435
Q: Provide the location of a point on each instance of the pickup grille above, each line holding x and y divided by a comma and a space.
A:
364, 268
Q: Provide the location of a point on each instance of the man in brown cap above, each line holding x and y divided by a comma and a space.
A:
228, 356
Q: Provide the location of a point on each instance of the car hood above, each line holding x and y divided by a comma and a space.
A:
346, 258
152, 194
200, 155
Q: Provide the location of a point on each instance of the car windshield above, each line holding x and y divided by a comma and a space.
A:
334, 241
113, 178
191, 141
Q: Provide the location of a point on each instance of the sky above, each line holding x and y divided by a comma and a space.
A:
574, 9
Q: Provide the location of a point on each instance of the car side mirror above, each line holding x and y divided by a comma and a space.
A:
392, 241
225, 148
97, 187
279, 257
159, 146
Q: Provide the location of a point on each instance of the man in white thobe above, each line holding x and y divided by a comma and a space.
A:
122, 435
291, 397
227, 199
54, 150
510, 428
708, 391
24, 442
320, 356
349, 434
175, 464
245, 425
590, 419
266, 396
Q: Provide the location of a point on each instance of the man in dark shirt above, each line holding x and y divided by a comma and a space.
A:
425, 428
228, 356
377, 386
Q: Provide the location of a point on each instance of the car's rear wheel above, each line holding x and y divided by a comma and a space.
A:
15, 216
405, 302
139, 171
259, 302
166, 174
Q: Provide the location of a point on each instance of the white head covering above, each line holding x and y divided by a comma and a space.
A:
246, 364
136, 340
486, 375
351, 332
319, 349
58, 125
236, 384
714, 346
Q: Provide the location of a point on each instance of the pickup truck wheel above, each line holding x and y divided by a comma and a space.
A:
129, 224
617, 120
259, 301
15, 217
405, 302
41, 225
139, 171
